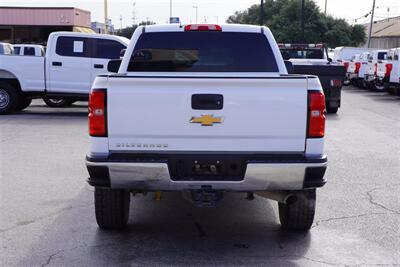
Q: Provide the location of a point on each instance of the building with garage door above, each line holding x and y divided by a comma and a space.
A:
20, 25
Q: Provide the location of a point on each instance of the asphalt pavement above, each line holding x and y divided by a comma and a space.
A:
47, 214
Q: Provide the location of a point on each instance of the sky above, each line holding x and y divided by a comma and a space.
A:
210, 11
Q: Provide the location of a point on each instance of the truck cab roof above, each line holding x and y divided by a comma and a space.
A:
181, 27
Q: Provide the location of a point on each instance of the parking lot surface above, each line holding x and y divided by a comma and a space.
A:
47, 213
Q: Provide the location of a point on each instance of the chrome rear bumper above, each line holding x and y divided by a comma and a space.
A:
259, 176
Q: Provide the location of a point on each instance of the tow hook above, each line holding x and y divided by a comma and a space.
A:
204, 198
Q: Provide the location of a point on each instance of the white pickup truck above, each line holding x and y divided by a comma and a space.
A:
67, 71
388, 72
375, 57
29, 50
357, 69
206, 109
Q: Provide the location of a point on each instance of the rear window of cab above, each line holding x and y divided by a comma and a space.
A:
202, 52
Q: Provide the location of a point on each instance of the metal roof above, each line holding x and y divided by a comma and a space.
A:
385, 28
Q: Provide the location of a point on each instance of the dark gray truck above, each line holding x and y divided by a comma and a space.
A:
313, 59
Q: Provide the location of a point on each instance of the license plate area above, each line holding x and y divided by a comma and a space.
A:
206, 169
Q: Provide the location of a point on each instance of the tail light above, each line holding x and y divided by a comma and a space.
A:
316, 114
358, 65
203, 27
388, 69
346, 65
98, 113
376, 68
336, 83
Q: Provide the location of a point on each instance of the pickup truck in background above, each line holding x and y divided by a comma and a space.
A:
313, 59
203, 110
66, 72
6, 49
357, 69
344, 55
375, 57
388, 72
29, 50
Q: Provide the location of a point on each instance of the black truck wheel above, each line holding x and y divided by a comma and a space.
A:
379, 86
332, 110
298, 215
111, 208
8, 98
23, 102
58, 103
391, 91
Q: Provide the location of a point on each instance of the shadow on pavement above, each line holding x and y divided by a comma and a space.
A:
171, 232
377, 96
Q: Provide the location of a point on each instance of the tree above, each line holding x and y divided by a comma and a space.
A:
283, 18
128, 31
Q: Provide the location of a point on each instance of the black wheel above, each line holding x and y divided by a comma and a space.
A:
298, 215
111, 207
360, 83
331, 110
58, 103
23, 102
364, 84
8, 98
391, 91
378, 86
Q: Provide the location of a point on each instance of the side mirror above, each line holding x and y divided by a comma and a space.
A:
122, 53
285, 55
289, 66
113, 65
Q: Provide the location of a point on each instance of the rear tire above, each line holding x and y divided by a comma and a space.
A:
391, 91
111, 208
331, 110
380, 87
23, 102
364, 84
58, 103
299, 215
8, 98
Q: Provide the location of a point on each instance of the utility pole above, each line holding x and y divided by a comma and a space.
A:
370, 24
134, 14
105, 17
120, 21
262, 13
196, 7
326, 4
302, 20
170, 9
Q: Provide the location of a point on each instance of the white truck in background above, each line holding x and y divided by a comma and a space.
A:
357, 69
388, 72
66, 72
344, 55
6, 49
375, 57
29, 50
204, 110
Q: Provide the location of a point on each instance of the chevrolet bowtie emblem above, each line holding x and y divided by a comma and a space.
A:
206, 120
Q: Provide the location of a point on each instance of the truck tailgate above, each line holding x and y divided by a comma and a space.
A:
258, 114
